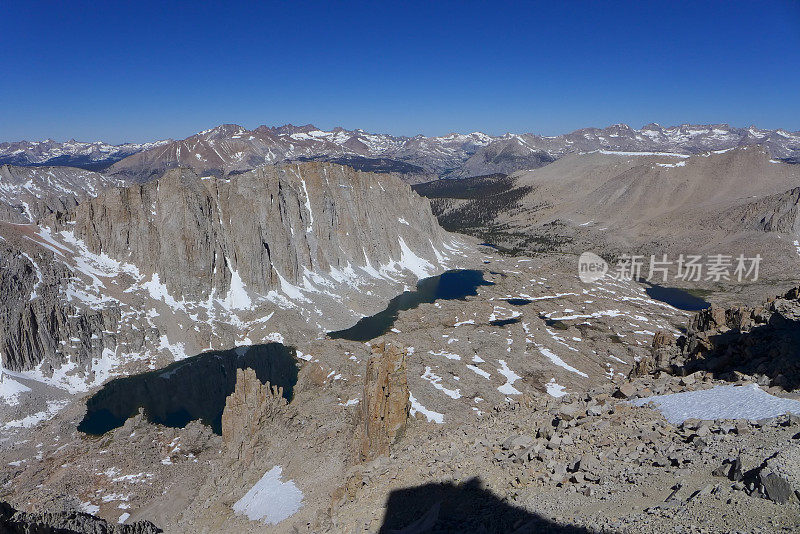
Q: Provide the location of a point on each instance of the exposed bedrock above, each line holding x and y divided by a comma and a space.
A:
262, 228
763, 342
251, 407
385, 407
35, 323
13, 521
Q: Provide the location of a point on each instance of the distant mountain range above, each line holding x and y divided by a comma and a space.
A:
91, 156
230, 149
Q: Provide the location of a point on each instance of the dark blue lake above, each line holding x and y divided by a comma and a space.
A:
677, 298
451, 285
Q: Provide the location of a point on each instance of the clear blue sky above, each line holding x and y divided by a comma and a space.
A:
148, 70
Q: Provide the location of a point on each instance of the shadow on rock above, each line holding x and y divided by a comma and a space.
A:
462, 508
188, 390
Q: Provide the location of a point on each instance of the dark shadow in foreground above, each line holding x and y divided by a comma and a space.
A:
190, 389
462, 508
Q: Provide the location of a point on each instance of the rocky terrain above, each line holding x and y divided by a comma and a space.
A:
761, 342
228, 253
515, 404
30, 193
15, 522
731, 202
176, 356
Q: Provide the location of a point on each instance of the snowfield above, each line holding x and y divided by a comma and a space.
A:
270, 500
10, 390
721, 402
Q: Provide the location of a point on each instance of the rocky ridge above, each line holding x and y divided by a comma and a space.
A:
13, 521
528, 151
124, 281
247, 411
230, 149
760, 342
31, 193
91, 156
262, 230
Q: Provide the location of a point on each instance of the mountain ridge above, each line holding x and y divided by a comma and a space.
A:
231, 147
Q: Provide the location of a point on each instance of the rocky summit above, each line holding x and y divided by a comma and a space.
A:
271, 330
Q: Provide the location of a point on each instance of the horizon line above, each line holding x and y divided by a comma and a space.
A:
170, 139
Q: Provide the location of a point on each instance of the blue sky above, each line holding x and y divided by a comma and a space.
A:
141, 71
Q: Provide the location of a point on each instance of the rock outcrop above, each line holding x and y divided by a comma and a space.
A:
662, 353
13, 521
773, 213
385, 405
35, 323
248, 411
763, 342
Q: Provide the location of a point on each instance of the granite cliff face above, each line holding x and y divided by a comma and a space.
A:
144, 275
261, 230
36, 322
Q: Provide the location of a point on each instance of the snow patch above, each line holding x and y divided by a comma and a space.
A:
554, 389
511, 377
477, 370
53, 407
237, 297
561, 363
430, 415
410, 261
721, 402
10, 390
270, 500
436, 381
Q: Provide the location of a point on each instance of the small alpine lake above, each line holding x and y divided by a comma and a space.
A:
676, 297
450, 285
